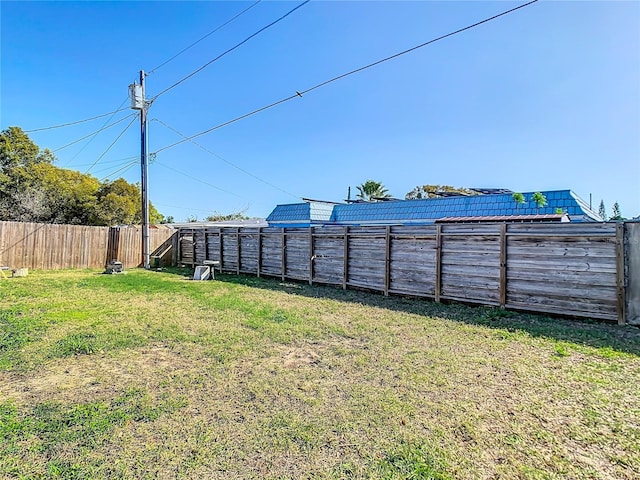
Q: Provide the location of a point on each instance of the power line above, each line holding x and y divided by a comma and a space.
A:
299, 94
119, 160
120, 163
112, 143
94, 133
230, 50
122, 169
207, 35
75, 123
198, 180
227, 161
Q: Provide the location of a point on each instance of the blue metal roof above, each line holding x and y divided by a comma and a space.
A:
292, 212
428, 210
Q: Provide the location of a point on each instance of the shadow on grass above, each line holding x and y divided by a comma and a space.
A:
592, 333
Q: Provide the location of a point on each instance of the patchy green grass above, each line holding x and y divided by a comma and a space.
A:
150, 375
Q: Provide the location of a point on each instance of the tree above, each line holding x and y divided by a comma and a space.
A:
71, 195
19, 200
433, 191
372, 191
539, 199
601, 211
32, 189
615, 212
519, 199
18, 150
219, 217
118, 203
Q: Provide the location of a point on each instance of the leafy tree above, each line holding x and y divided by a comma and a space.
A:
539, 199
18, 198
32, 189
18, 150
615, 212
118, 203
71, 195
433, 191
168, 219
519, 199
601, 211
371, 191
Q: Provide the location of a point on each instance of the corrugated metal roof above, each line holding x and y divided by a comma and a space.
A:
429, 210
556, 217
290, 212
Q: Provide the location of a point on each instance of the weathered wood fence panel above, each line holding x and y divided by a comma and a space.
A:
52, 246
555, 269
570, 269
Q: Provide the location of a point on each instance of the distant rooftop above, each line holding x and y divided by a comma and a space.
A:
254, 222
430, 210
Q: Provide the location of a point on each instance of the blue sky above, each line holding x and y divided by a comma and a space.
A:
545, 98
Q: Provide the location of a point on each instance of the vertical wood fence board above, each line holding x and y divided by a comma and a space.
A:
503, 264
632, 273
53, 246
283, 255
620, 276
571, 269
438, 272
345, 270
259, 252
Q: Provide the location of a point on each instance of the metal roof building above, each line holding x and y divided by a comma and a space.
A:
429, 210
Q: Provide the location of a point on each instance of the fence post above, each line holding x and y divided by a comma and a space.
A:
259, 250
387, 260
194, 234
284, 258
345, 268
620, 273
503, 265
206, 244
311, 257
238, 251
632, 273
220, 249
438, 262
175, 246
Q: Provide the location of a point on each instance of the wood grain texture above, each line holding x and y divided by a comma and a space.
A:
54, 247
569, 269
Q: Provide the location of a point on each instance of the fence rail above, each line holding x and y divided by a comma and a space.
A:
51, 246
568, 269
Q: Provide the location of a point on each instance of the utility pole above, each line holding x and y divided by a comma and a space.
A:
145, 174
139, 102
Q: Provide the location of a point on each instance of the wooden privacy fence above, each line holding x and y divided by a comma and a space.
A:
51, 246
568, 269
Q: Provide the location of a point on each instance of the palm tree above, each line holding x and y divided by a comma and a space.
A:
371, 190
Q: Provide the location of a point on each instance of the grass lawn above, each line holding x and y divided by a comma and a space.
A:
151, 375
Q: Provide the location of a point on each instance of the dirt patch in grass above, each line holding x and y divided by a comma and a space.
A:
91, 377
